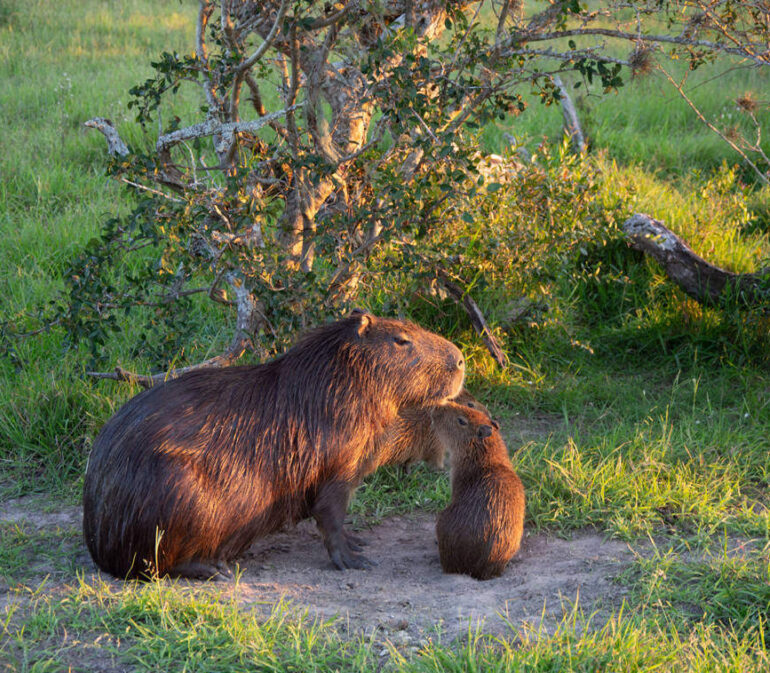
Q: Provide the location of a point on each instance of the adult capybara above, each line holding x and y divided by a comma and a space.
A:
188, 473
411, 437
481, 529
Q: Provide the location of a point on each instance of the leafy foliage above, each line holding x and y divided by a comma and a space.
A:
359, 166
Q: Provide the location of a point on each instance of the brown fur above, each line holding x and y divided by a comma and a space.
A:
411, 438
481, 529
187, 474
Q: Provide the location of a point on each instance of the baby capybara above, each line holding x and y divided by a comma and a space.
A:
481, 529
411, 437
188, 473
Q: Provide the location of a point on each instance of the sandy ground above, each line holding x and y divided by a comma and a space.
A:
407, 591
406, 597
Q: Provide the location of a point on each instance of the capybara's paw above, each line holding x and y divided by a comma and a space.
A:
223, 572
202, 570
346, 559
355, 543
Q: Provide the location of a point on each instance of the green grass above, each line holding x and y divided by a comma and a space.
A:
27, 553
641, 413
647, 122
728, 587
61, 65
674, 457
164, 627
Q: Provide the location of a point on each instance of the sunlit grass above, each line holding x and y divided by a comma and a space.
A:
168, 627
627, 406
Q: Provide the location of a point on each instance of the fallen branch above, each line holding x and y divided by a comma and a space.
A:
477, 318
701, 280
223, 360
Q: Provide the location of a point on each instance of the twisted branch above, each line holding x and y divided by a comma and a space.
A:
115, 144
250, 317
706, 283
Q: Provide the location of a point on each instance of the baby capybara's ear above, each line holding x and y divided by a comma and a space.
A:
484, 431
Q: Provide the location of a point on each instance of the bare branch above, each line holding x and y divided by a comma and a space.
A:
213, 127
242, 70
477, 318
680, 90
251, 60
523, 37
571, 120
256, 97
115, 144
120, 374
333, 19
150, 189
502, 19
205, 9
567, 56
317, 124
250, 315
291, 92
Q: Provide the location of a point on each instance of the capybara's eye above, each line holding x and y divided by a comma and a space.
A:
470, 404
401, 340
461, 420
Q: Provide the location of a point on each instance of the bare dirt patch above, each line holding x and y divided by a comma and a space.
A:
408, 596
40, 512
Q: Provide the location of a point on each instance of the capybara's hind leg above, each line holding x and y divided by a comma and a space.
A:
329, 513
202, 570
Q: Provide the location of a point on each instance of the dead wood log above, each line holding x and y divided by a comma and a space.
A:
706, 283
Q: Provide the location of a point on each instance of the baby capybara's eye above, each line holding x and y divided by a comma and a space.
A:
461, 420
402, 340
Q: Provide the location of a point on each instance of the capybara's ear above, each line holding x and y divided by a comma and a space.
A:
495, 424
363, 320
484, 431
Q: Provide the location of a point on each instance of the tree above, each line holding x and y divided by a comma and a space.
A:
339, 139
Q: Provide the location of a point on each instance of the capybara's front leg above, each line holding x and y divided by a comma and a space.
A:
329, 512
